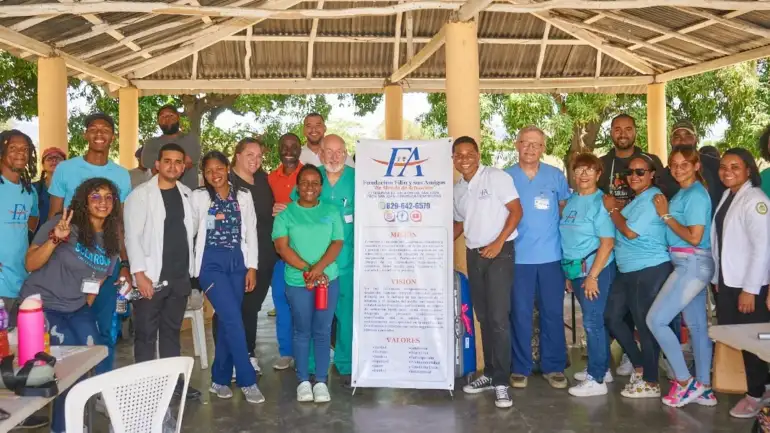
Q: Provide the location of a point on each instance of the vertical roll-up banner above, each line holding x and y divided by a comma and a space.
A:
403, 320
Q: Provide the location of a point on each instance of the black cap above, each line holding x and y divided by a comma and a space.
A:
138, 153
168, 107
100, 116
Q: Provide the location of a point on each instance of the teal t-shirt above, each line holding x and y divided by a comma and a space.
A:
310, 232
17, 206
71, 173
691, 207
583, 222
649, 248
341, 195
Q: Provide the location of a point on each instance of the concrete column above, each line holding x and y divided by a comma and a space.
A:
394, 112
657, 126
463, 114
128, 125
52, 103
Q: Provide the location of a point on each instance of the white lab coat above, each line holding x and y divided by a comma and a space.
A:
745, 254
144, 215
201, 202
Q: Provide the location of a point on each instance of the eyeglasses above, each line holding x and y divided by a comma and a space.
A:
585, 170
637, 171
98, 198
54, 158
530, 144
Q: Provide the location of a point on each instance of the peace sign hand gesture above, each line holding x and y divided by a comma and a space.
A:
62, 229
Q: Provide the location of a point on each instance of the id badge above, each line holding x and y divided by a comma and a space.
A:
211, 221
542, 202
348, 219
90, 286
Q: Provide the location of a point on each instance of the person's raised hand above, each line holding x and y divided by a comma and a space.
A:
62, 229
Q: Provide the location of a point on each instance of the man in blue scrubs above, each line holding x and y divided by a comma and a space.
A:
538, 278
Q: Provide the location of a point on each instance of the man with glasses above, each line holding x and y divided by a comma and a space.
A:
314, 129
487, 210
168, 121
539, 280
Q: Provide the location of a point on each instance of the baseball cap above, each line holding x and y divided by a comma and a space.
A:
53, 151
100, 116
138, 153
168, 107
684, 124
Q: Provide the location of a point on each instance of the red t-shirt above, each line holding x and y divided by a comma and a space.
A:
282, 184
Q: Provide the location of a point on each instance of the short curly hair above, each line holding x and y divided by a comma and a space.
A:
81, 218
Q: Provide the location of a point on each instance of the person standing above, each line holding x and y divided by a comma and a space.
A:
247, 173
159, 234
168, 121
140, 174
587, 240
641, 253
688, 221
308, 235
487, 210
99, 133
51, 158
314, 129
740, 236
539, 280
226, 260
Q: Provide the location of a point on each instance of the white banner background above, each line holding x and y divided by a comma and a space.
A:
403, 315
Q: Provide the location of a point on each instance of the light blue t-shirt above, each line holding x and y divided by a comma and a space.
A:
649, 248
691, 207
585, 220
71, 173
16, 208
538, 240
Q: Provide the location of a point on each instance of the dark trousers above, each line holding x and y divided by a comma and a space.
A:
728, 314
490, 283
635, 292
160, 318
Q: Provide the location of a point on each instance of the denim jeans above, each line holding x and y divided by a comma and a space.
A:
635, 292
685, 291
77, 328
597, 336
311, 323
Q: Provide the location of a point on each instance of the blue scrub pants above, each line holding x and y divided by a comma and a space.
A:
103, 310
542, 284
223, 280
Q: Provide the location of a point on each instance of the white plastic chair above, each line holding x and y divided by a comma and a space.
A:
199, 337
137, 397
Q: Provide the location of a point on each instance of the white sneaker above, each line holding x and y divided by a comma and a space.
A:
221, 391
283, 363
588, 388
625, 368
321, 393
502, 399
583, 375
255, 364
304, 392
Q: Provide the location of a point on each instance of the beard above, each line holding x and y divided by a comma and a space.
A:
170, 129
625, 143
334, 168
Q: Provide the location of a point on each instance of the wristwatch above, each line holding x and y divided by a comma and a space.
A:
124, 264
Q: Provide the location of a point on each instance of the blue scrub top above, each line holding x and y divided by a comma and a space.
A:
691, 207
585, 220
649, 248
16, 208
71, 173
538, 240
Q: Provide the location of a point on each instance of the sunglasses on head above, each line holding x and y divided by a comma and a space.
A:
637, 171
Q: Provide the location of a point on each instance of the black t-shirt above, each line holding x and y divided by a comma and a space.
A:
176, 252
615, 169
719, 223
263, 206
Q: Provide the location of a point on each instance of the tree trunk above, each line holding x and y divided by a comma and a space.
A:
583, 140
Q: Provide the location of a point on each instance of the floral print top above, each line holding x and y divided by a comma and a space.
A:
223, 222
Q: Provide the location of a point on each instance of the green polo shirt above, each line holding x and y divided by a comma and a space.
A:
310, 232
341, 195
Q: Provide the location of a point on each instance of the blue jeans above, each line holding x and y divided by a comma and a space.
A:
635, 292
223, 280
283, 323
544, 284
685, 291
103, 310
77, 328
311, 323
597, 335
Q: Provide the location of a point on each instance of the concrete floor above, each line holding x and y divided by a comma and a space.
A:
536, 409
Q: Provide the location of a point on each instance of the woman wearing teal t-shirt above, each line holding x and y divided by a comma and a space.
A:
308, 237
688, 218
587, 239
644, 265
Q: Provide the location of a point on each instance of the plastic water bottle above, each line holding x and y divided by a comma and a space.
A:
5, 347
135, 294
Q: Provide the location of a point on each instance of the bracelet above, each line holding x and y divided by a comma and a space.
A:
591, 277
55, 239
124, 264
613, 210
666, 217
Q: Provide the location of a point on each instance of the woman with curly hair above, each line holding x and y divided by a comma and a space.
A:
18, 210
68, 260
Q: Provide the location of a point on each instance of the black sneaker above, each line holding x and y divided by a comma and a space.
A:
192, 393
345, 381
33, 421
502, 399
481, 384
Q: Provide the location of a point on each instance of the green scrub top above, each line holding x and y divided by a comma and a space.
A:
310, 232
341, 195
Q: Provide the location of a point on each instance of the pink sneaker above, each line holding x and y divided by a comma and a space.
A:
748, 407
680, 395
707, 399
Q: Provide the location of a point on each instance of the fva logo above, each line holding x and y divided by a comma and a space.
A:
402, 158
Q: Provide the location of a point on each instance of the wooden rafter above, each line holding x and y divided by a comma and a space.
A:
311, 43
543, 47
247, 56
436, 42
471, 8
194, 74
598, 71
741, 25
409, 36
712, 65
391, 40
24, 25
397, 42
139, 35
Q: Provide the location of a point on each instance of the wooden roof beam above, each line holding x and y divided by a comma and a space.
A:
409, 36
311, 43
741, 25
715, 64
24, 25
620, 54
543, 46
397, 42
22, 42
471, 8
247, 56
421, 57
391, 39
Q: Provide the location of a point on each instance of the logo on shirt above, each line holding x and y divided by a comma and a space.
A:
570, 218
761, 208
19, 214
96, 259
484, 193
402, 158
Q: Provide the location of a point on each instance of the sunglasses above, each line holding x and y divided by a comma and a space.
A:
637, 171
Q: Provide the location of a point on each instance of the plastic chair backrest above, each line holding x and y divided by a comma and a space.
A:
137, 396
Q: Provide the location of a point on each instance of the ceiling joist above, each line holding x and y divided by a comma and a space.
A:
423, 55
